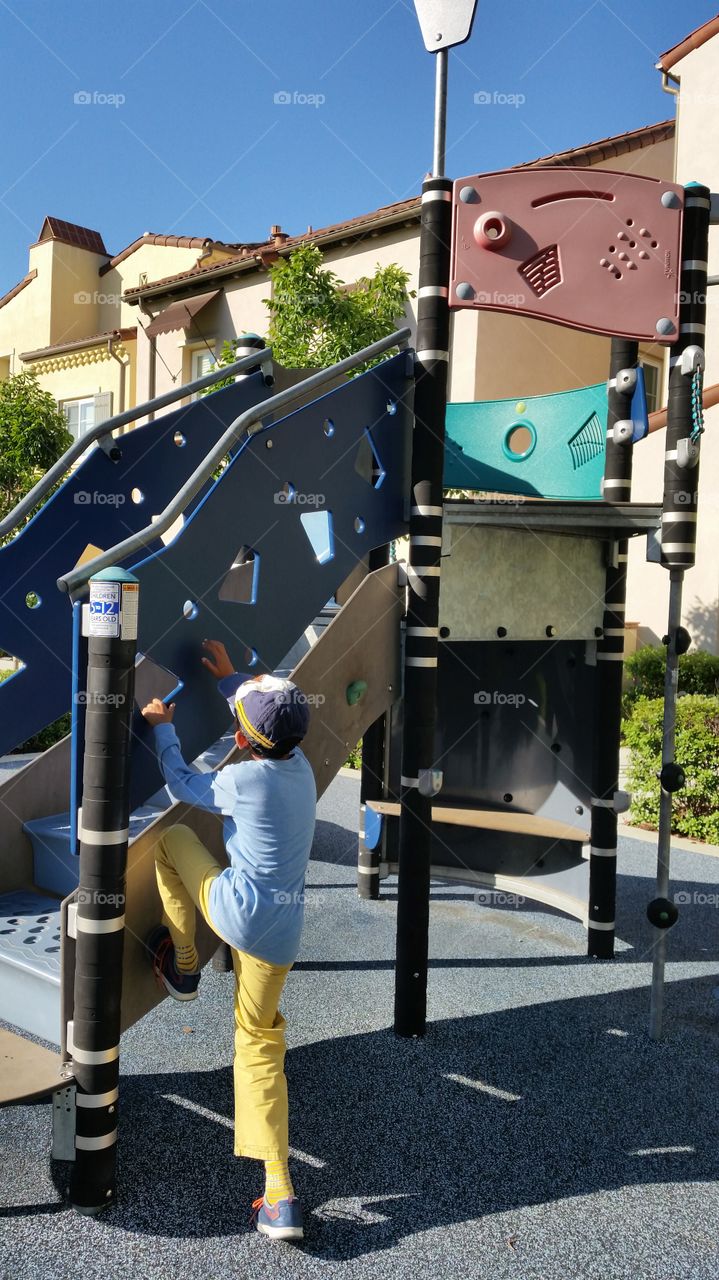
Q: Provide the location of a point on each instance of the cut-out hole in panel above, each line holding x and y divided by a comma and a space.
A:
190, 610
250, 657
179, 440
359, 525
171, 533
33, 600
88, 554
318, 527
368, 463
153, 681
241, 581
391, 407
137, 496
328, 427
286, 494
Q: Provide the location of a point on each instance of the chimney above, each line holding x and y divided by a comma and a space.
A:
277, 235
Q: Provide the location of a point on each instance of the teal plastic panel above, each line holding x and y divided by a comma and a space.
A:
539, 446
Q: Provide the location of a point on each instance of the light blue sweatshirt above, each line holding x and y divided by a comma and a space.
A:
257, 903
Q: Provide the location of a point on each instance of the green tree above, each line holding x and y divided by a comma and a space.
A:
316, 319
33, 435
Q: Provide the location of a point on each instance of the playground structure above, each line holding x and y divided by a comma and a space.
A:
490, 716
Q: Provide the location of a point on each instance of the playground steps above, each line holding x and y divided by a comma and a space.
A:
30, 962
27, 1070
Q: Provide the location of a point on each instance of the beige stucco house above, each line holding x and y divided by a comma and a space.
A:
67, 319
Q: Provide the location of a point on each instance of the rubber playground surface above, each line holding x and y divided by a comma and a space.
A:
536, 1132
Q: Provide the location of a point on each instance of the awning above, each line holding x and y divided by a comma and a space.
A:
181, 314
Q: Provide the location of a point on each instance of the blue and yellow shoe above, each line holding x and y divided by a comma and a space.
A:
181, 986
281, 1221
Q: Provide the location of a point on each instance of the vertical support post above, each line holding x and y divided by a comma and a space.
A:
372, 777
610, 658
679, 522
419, 779
94, 1034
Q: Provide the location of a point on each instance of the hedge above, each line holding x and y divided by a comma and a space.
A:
644, 674
695, 810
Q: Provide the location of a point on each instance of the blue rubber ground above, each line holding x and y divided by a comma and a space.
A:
536, 1133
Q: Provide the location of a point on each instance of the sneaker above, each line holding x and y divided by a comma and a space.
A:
281, 1221
181, 986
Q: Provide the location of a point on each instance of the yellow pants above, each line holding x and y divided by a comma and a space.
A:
185, 871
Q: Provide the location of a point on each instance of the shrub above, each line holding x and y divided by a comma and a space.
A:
695, 809
698, 673
354, 759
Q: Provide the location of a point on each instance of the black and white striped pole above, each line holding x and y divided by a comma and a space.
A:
607, 800
678, 549
443, 24
93, 1036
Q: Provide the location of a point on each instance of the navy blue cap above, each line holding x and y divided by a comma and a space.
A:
268, 708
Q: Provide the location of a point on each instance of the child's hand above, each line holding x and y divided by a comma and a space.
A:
157, 713
218, 663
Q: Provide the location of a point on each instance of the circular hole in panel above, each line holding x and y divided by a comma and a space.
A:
612, 248
287, 493
33, 600
655, 244
444, 632
632, 244
501, 632
251, 656
508, 797
268, 444
493, 228
520, 439
179, 440
137, 496
190, 611
630, 222
328, 427
391, 407
360, 525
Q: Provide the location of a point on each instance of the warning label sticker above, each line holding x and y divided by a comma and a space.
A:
104, 609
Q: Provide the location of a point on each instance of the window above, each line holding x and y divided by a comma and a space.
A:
80, 416
653, 378
203, 362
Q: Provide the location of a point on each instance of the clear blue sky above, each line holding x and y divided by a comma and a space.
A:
199, 146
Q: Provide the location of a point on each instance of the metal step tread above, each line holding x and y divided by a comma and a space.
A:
30, 933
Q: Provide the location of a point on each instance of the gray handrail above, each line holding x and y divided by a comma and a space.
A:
78, 576
262, 356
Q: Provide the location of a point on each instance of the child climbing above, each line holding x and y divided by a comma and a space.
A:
255, 904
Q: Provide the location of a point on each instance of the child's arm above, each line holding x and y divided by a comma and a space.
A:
184, 782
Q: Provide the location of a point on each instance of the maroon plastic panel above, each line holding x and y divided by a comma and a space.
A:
587, 248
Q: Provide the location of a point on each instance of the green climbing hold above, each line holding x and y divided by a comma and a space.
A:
354, 691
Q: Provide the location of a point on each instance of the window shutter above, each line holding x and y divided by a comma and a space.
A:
103, 406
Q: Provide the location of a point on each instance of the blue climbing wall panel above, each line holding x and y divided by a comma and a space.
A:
344, 461
99, 504
538, 446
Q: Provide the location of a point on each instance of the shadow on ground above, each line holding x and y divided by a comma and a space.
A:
514, 1108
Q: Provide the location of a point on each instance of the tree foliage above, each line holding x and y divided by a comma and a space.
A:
33, 435
317, 320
